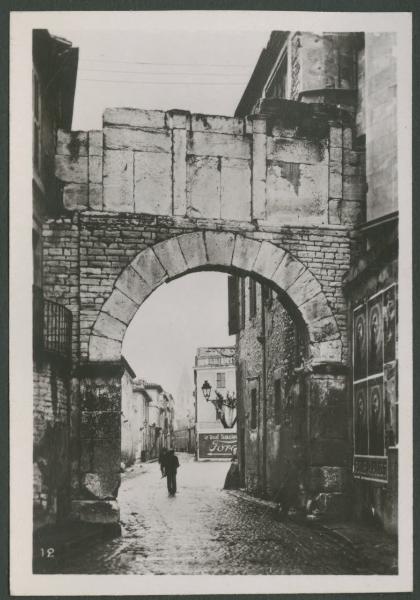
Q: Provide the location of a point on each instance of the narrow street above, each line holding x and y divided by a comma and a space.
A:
205, 530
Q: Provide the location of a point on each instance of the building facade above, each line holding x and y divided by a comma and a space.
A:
216, 415
277, 437
54, 69
147, 419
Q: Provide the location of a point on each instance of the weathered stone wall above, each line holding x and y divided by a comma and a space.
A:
213, 167
381, 123
51, 461
109, 242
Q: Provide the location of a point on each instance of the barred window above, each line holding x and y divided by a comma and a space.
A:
221, 380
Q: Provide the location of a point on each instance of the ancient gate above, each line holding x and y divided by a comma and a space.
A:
156, 195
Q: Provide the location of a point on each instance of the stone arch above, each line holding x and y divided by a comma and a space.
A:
227, 251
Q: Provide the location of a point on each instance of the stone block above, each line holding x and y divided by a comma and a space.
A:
217, 144
134, 117
103, 485
71, 170
334, 211
297, 192
336, 137
296, 150
304, 288
219, 247
95, 196
324, 329
118, 181
96, 143
132, 285
217, 124
259, 175
152, 183
203, 187
109, 327
351, 213
93, 511
268, 259
73, 143
95, 169
149, 268
170, 256
101, 455
348, 138
245, 253
103, 349
179, 149
315, 308
75, 196
325, 351
178, 119
327, 479
288, 271
193, 248
235, 190
99, 425
259, 126
137, 140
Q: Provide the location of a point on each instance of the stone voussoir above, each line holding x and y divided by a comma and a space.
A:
219, 246
104, 349
245, 252
268, 259
193, 249
149, 268
109, 327
133, 286
170, 256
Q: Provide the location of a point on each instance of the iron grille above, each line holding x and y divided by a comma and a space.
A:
51, 326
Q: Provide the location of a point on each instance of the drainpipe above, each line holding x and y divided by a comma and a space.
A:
262, 340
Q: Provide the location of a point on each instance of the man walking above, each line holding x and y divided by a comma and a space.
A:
171, 467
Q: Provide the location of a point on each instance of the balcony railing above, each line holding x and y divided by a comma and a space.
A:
51, 325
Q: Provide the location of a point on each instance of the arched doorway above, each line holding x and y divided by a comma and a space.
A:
172, 258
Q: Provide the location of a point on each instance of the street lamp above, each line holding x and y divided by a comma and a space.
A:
206, 387
222, 405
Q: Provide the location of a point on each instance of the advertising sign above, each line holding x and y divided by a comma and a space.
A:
217, 445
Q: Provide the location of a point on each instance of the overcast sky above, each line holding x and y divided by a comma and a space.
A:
199, 71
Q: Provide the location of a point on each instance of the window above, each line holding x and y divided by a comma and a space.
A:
277, 87
233, 303
253, 409
277, 401
221, 380
36, 142
252, 298
242, 303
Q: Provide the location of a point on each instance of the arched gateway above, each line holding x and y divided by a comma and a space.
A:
154, 196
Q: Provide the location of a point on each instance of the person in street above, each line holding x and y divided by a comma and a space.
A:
163, 453
171, 466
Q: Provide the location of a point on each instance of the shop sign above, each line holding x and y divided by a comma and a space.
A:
217, 445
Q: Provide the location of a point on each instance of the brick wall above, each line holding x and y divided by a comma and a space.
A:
51, 449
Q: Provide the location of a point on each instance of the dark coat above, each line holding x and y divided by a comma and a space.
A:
171, 463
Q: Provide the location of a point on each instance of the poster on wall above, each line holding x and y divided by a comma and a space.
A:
389, 314
217, 445
391, 405
376, 417
375, 358
360, 344
360, 419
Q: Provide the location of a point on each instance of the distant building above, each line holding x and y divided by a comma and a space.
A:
147, 418
215, 417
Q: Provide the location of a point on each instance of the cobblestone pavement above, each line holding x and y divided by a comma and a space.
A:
205, 530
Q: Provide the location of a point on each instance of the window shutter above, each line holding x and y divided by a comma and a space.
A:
233, 300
